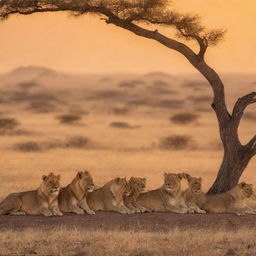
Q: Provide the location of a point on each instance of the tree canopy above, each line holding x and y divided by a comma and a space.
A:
154, 12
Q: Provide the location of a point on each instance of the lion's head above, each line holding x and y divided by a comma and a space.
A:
137, 185
246, 190
51, 184
120, 187
172, 182
194, 184
85, 181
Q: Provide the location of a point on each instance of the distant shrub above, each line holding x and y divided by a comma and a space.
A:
8, 123
77, 142
176, 142
29, 146
122, 125
42, 107
184, 118
69, 118
107, 95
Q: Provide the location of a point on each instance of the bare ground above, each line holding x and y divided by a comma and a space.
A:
156, 222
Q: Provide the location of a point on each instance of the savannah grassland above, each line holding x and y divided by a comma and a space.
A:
124, 128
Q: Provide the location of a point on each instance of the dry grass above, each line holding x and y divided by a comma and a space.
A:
61, 241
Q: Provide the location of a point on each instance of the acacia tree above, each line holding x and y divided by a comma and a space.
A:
135, 16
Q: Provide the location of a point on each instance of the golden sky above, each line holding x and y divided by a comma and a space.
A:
87, 44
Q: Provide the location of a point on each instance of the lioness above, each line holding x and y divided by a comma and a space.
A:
192, 193
233, 201
41, 201
167, 198
110, 197
73, 197
137, 186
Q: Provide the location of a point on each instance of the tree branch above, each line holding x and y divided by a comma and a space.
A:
241, 105
251, 146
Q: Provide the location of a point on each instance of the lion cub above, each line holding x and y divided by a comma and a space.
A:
41, 201
73, 197
137, 186
167, 198
232, 201
110, 197
193, 192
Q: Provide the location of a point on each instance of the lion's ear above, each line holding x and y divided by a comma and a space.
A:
79, 175
144, 180
242, 184
58, 176
118, 180
44, 177
86, 173
200, 179
132, 178
184, 175
165, 174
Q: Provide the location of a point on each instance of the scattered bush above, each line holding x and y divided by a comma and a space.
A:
72, 142
176, 142
122, 125
69, 118
77, 142
107, 95
184, 118
140, 102
42, 107
29, 146
8, 123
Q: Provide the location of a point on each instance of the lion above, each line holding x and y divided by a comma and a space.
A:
110, 197
168, 198
192, 193
73, 197
137, 186
43, 201
233, 201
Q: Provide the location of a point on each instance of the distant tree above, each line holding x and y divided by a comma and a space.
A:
135, 15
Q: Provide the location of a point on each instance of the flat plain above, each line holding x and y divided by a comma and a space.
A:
116, 125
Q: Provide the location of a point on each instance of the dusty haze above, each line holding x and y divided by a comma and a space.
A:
86, 44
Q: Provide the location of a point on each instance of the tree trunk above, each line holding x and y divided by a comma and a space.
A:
231, 169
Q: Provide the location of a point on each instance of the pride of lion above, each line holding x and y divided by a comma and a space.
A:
127, 197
